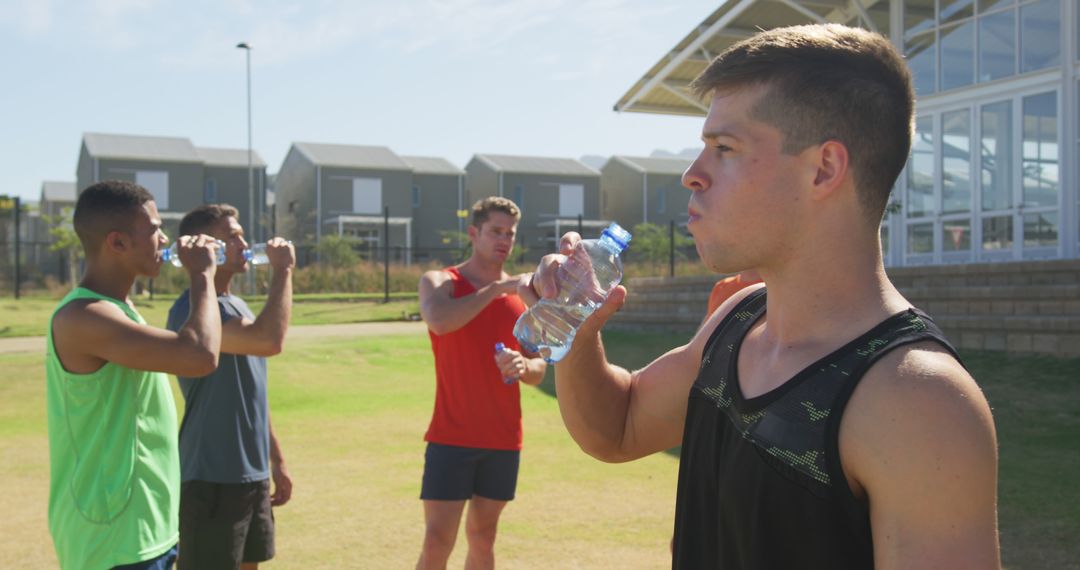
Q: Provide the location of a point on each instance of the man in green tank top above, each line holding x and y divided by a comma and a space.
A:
114, 482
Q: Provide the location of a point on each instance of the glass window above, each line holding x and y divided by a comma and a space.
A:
1040, 151
415, 196
997, 233
661, 205
210, 192
921, 56
1040, 35
958, 55
996, 156
953, 10
920, 172
956, 235
920, 238
997, 45
519, 195
1040, 229
985, 5
918, 17
956, 162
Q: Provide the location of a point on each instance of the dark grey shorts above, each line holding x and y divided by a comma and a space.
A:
224, 524
457, 473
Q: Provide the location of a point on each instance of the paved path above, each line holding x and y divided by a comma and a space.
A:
37, 343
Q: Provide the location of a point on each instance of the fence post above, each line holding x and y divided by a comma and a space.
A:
18, 206
580, 231
386, 254
671, 252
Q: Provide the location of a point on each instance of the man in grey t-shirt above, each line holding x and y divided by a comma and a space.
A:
228, 451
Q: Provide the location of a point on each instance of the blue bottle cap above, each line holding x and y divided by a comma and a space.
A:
617, 234
499, 347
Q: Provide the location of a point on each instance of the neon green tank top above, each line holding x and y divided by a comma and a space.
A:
114, 478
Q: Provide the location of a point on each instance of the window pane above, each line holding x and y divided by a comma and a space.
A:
997, 233
922, 61
1040, 161
958, 55
1040, 35
997, 45
953, 10
918, 17
1040, 229
956, 162
985, 5
920, 172
997, 156
920, 238
956, 235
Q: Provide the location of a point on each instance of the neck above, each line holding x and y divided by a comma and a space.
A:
222, 281
827, 294
108, 280
481, 270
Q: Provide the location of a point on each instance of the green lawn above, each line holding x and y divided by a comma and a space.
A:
27, 316
351, 415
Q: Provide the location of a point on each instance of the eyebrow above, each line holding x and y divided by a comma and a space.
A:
713, 135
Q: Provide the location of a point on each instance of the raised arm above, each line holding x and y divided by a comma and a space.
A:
265, 336
918, 439
613, 414
88, 334
444, 313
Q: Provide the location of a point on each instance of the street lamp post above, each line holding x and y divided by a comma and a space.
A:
256, 233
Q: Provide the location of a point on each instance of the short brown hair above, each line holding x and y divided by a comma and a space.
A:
483, 208
828, 82
202, 217
104, 207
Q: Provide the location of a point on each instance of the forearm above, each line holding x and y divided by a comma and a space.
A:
594, 398
449, 315
273, 320
201, 333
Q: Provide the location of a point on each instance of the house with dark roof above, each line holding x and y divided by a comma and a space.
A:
638, 190
57, 201
178, 174
438, 192
555, 195
345, 190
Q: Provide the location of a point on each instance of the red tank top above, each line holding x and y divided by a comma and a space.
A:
473, 407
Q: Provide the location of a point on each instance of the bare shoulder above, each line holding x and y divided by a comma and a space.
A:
85, 315
914, 411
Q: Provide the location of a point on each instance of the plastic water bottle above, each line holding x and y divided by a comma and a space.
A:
499, 347
589, 273
172, 254
256, 254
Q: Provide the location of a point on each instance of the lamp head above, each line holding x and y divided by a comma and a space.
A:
243, 45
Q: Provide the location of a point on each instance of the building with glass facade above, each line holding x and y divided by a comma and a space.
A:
993, 170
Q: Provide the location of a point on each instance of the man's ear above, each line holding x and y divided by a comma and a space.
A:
832, 168
473, 232
117, 241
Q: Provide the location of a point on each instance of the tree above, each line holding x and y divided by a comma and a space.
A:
337, 251
653, 243
66, 241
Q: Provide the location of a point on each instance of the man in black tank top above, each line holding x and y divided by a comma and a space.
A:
826, 423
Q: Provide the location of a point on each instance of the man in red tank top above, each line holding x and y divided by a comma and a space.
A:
474, 439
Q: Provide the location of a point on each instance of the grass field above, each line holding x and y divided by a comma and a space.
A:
351, 414
26, 317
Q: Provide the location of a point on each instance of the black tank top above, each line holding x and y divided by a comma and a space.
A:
760, 481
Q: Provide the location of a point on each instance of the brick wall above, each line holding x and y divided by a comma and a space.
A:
1025, 307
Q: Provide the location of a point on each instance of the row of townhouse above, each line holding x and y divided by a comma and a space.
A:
410, 204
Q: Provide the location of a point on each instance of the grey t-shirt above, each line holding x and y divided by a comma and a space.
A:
225, 433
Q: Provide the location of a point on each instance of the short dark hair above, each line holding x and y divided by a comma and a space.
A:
104, 207
483, 208
828, 82
200, 219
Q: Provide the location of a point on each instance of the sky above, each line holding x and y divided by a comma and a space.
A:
448, 78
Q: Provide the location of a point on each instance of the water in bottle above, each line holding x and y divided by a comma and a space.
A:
172, 254
589, 273
256, 254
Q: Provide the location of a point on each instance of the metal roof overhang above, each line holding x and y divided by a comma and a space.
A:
663, 89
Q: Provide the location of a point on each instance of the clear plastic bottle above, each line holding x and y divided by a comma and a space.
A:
172, 254
256, 254
499, 347
589, 273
